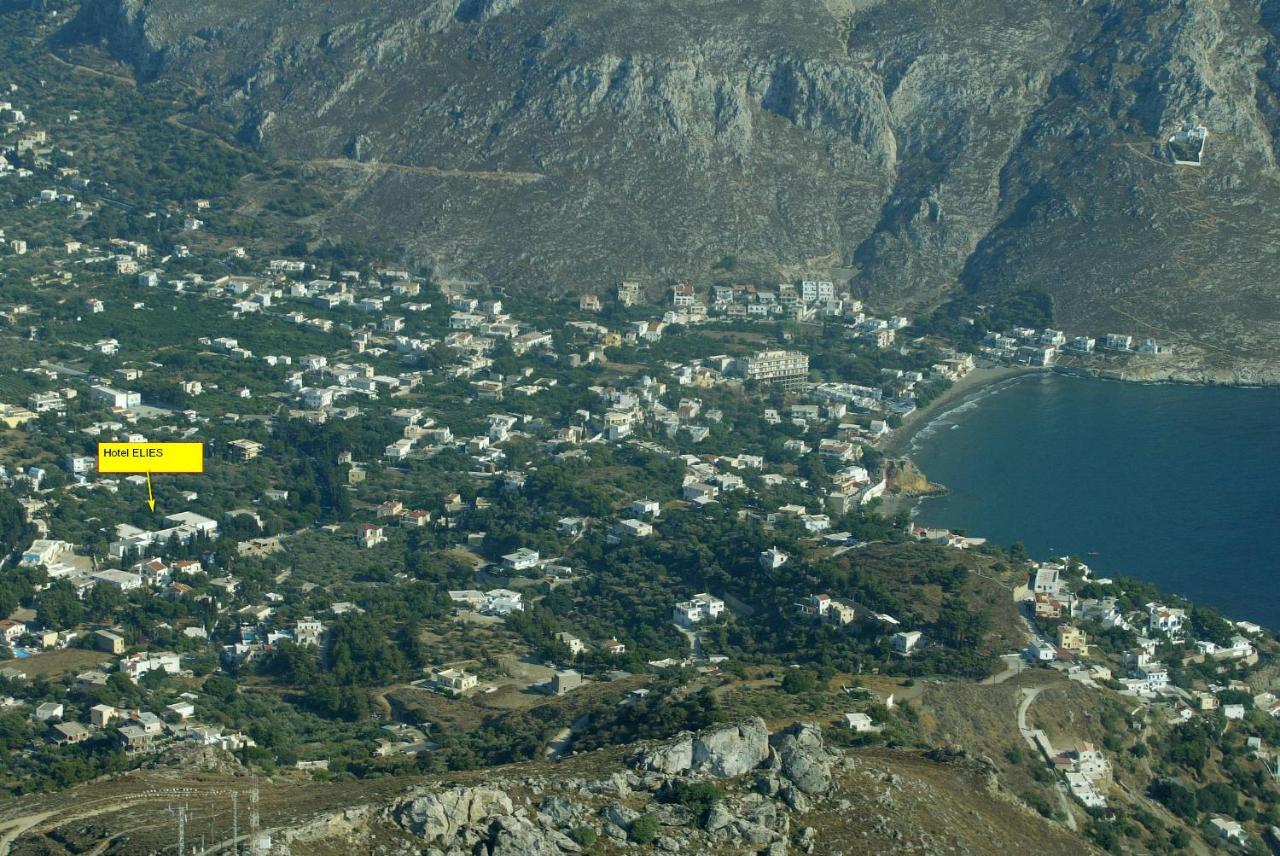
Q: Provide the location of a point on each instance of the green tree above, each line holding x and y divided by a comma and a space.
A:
797, 681
58, 607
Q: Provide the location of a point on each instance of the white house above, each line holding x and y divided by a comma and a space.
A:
1165, 619
521, 560
773, 558
50, 710
573, 643
308, 631
123, 580
624, 529
1047, 581
1228, 830
859, 722
370, 535
700, 608
455, 680
1042, 652
643, 508
139, 664
906, 641
502, 601
181, 709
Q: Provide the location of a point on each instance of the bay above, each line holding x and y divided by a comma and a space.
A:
1176, 484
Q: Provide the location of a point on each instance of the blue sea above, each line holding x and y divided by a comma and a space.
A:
1179, 485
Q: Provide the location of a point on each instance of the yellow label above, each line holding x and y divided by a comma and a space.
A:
151, 457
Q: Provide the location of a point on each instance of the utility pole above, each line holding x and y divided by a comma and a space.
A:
182, 830
253, 818
235, 821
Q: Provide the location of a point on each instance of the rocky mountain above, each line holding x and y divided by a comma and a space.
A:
912, 148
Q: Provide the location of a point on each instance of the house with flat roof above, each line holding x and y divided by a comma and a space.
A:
905, 642
116, 578
701, 607
521, 560
455, 680
69, 732
565, 681
50, 710
859, 722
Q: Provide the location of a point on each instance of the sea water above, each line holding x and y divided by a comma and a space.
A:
1176, 484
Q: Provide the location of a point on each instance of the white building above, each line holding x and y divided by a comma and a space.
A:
859, 722
370, 535
700, 608
308, 631
1047, 580
817, 291
115, 398
573, 643
773, 558
1165, 619
643, 508
521, 560
503, 601
905, 642
776, 366
45, 551
122, 580
455, 680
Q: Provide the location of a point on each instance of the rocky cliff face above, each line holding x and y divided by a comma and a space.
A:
910, 148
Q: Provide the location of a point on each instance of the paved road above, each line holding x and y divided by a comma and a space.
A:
560, 744
1028, 695
1029, 734
1012, 666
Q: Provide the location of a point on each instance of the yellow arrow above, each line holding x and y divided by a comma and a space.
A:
151, 500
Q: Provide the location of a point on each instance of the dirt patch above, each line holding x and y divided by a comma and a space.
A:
57, 662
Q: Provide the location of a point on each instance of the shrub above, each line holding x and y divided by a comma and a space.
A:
644, 829
696, 796
583, 836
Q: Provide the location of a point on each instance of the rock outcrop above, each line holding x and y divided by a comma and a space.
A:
748, 793
440, 816
722, 751
804, 760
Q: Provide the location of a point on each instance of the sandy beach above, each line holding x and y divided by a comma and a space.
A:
974, 381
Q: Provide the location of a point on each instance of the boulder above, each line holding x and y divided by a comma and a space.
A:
439, 816
732, 750
620, 815
805, 760
723, 751
513, 836
753, 833
671, 759
557, 810
717, 817
794, 799
614, 785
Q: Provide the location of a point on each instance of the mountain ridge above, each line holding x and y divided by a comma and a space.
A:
913, 152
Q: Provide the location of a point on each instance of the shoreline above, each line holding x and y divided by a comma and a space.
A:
975, 381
